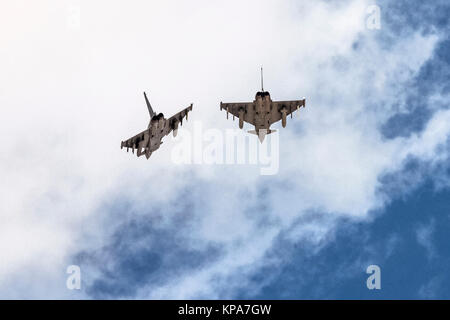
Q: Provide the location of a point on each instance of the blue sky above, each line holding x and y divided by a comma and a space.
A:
364, 171
410, 268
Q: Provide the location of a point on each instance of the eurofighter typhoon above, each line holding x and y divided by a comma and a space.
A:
262, 112
146, 142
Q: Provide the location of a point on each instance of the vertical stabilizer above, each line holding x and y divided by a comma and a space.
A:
150, 110
262, 80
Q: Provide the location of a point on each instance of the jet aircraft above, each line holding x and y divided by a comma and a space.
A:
262, 112
148, 141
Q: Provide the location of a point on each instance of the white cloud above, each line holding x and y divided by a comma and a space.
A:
69, 98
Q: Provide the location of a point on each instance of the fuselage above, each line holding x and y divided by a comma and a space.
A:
263, 109
156, 130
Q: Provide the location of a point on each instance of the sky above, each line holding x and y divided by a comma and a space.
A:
363, 175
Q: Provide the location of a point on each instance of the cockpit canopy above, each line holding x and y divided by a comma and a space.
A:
262, 94
158, 117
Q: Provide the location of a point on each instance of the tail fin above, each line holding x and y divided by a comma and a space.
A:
150, 110
262, 80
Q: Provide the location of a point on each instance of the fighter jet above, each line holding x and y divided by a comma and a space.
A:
262, 112
149, 140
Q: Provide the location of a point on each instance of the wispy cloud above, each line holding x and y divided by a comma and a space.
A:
424, 234
154, 230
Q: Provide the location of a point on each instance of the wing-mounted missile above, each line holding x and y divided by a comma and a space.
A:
283, 111
184, 113
175, 124
227, 109
241, 118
